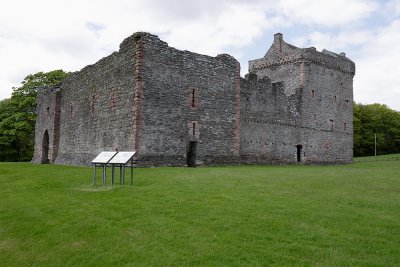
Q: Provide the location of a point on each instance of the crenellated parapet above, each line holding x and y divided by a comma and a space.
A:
282, 53
256, 65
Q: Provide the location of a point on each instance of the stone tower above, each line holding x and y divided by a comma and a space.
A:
306, 112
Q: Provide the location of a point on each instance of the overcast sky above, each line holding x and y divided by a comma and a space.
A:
44, 35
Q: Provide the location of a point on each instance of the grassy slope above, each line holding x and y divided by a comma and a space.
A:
283, 215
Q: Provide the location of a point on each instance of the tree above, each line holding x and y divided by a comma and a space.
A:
18, 116
379, 120
6, 143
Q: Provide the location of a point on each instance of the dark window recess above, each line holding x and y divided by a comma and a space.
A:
191, 154
45, 148
193, 98
299, 147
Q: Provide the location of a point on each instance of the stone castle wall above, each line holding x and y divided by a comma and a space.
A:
96, 108
154, 99
314, 103
188, 99
178, 108
270, 122
47, 125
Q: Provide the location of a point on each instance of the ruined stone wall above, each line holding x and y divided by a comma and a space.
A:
188, 97
157, 100
96, 108
47, 125
328, 114
180, 108
316, 98
270, 122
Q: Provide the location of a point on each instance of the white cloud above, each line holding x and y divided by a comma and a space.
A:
235, 26
44, 35
377, 79
327, 13
334, 42
392, 9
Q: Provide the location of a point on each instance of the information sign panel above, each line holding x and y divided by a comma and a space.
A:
122, 157
104, 157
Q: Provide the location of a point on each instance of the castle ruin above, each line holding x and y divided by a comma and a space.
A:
179, 108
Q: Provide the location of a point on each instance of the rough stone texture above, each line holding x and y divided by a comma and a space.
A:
173, 116
96, 108
47, 124
307, 103
178, 108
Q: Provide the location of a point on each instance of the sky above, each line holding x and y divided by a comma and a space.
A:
45, 35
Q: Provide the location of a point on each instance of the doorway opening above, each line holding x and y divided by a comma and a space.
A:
45, 148
299, 147
191, 154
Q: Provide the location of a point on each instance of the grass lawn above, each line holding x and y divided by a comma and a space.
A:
221, 216
389, 157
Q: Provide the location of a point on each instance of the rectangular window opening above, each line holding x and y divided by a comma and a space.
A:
193, 98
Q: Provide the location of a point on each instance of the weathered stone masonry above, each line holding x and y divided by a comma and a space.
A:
179, 108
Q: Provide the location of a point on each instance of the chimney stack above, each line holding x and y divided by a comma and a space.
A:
278, 37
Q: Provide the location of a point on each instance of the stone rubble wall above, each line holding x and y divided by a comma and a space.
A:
182, 89
311, 108
48, 110
172, 106
96, 108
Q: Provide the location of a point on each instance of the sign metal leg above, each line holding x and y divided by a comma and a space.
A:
94, 176
105, 174
123, 174
131, 175
112, 174
120, 174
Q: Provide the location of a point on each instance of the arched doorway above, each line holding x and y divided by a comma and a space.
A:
45, 148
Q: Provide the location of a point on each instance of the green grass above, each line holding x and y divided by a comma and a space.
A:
222, 216
389, 157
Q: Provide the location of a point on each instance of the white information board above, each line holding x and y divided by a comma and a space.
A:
122, 157
104, 157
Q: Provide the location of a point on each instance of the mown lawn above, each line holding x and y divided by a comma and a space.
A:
345, 215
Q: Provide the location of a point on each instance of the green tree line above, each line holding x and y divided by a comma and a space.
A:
375, 120
18, 117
